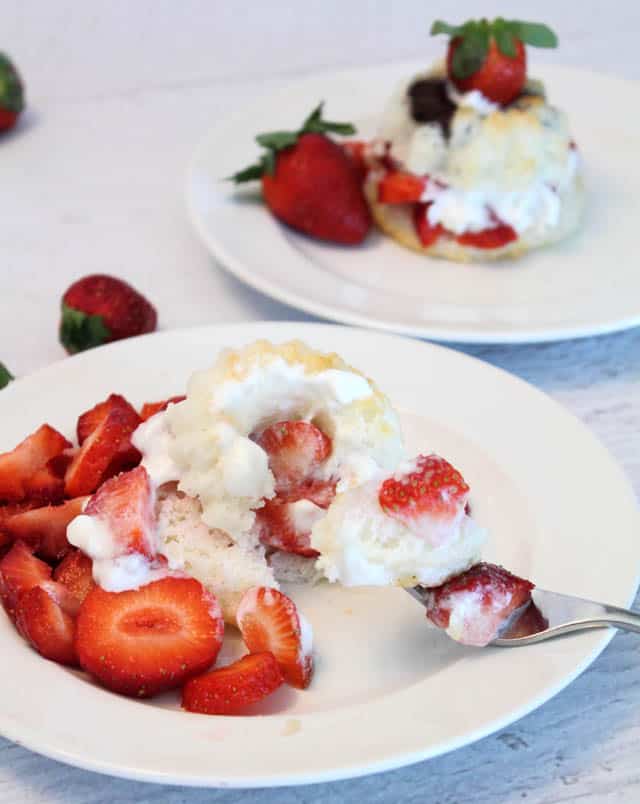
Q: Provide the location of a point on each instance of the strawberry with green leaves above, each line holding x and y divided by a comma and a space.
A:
99, 309
310, 183
11, 94
491, 56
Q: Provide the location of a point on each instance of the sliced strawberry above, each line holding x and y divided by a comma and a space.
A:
75, 572
101, 454
125, 504
499, 236
296, 449
428, 489
147, 640
150, 409
474, 605
399, 187
269, 621
21, 464
45, 616
321, 492
20, 571
92, 418
45, 529
45, 486
277, 527
427, 232
230, 690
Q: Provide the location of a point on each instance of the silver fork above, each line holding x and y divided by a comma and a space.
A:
552, 614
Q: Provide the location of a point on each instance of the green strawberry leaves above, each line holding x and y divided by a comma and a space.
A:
11, 89
5, 376
79, 331
475, 37
275, 141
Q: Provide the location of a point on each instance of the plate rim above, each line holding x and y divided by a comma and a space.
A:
32, 738
460, 335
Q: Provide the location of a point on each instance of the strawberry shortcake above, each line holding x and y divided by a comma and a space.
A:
471, 161
128, 554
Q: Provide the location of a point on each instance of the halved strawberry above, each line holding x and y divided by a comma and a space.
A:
20, 571
498, 236
427, 232
474, 605
101, 454
269, 621
296, 449
230, 690
125, 504
399, 187
277, 527
427, 489
45, 529
45, 616
21, 464
147, 640
75, 572
91, 419
150, 409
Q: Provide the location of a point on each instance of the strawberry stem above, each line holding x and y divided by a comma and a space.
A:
79, 331
5, 376
275, 141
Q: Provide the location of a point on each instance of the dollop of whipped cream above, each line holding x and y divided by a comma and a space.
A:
204, 443
360, 545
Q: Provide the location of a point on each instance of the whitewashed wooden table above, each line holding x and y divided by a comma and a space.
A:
92, 182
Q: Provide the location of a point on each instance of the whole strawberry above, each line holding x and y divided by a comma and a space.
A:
11, 94
490, 56
310, 183
98, 309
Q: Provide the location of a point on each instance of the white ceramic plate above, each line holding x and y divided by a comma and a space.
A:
388, 690
585, 286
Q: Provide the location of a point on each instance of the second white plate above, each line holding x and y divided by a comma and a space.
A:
585, 286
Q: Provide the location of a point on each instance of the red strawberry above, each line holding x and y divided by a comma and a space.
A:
21, 464
496, 237
20, 571
11, 94
103, 452
45, 529
230, 690
428, 489
150, 409
75, 572
310, 183
125, 504
269, 621
494, 593
45, 616
427, 232
150, 639
398, 187
127, 456
295, 449
490, 56
277, 528
356, 151
99, 309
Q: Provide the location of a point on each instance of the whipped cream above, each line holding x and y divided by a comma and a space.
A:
472, 621
210, 441
304, 514
113, 569
360, 545
471, 100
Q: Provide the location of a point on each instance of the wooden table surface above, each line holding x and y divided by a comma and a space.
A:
92, 181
